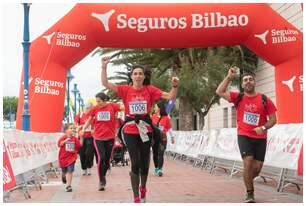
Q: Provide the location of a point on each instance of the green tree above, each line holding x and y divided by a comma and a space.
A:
200, 71
9, 105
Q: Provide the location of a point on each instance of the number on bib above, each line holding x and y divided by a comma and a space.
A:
251, 118
70, 146
103, 116
139, 107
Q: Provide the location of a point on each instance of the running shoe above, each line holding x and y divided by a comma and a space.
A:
143, 194
68, 189
160, 172
88, 172
101, 187
102, 184
155, 171
250, 198
137, 200
84, 172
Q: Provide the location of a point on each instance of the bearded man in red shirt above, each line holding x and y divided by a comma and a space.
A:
253, 109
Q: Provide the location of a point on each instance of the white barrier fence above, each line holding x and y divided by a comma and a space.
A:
30, 150
283, 144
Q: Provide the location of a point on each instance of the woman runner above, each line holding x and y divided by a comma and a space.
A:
138, 98
161, 119
104, 116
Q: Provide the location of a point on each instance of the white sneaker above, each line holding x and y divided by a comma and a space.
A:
88, 172
84, 172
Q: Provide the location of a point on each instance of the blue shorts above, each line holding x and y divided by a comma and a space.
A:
69, 168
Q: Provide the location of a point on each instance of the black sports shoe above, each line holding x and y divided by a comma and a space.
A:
250, 197
102, 184
68, 189
64, 179
101, 187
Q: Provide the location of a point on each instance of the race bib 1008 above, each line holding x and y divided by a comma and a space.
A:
103, 116
70, 146
139, 107
251, 118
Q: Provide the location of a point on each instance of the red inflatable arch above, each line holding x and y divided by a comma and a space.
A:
88, 26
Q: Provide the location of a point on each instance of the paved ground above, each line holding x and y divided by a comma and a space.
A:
181, 183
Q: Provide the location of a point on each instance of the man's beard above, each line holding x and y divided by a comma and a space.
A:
249, 90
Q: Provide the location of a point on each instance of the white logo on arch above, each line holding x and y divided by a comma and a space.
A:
49, 37
289, 83
104, 18
263, 37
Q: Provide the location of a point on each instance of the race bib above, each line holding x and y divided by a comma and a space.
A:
103, 116
139, 107
70, 146
251, 118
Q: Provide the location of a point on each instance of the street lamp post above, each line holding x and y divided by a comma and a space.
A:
79, 101
26, 47
82, 104
75, 91
69, 78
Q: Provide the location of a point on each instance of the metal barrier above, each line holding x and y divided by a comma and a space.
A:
33, 178
281, 176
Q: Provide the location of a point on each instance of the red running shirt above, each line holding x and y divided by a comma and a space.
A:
155, 119
164, 122
68, 152
251, 113
138, 102
81, 119
104, 120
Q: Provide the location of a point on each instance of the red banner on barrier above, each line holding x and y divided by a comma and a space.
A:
8, 175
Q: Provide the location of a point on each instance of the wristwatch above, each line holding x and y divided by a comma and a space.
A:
264, 128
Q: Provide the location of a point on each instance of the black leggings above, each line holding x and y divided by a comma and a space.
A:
139, 153
104, 150
86, 153
158, 153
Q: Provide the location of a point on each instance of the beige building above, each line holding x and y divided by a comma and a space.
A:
224, 115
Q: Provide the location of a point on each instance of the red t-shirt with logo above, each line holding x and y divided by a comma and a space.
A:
138, 102
251, 113
164, 122
68, 152
104, 120
80, 120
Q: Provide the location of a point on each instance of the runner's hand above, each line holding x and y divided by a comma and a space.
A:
175, 81
232, 72
259, 130
105, 60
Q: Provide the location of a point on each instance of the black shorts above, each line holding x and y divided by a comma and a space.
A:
252, 147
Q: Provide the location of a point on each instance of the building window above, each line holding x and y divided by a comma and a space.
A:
234, 117
225, 117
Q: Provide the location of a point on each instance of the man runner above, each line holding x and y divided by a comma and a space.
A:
252, 111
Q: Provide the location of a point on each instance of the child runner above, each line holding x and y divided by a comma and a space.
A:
68, 153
